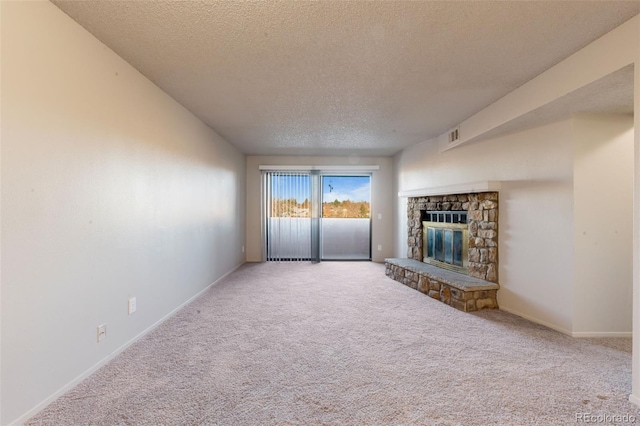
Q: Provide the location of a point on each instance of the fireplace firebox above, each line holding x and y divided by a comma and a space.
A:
446, 239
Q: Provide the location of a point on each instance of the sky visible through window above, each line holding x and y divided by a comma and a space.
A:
342, 196
341, 188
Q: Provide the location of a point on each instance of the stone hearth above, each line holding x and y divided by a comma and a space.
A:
461, 291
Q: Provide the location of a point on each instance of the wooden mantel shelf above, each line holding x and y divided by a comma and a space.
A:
461, 188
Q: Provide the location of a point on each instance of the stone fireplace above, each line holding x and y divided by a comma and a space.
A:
452, 252
481, 236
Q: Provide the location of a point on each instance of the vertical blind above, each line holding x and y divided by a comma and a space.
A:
290, 215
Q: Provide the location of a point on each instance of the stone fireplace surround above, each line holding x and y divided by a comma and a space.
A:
472, 292
482, 214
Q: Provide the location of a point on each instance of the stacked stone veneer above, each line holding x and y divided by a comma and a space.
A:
482, 218
464, 293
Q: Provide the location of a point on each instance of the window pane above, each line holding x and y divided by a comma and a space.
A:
346, 217
346, 197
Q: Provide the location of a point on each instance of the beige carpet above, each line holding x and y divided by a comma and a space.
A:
339, 343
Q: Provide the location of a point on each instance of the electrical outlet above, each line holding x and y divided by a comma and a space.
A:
102, 332
132, 305
243, 249
379, 247
379, 216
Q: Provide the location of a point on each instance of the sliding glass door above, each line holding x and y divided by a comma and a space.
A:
311, 216
346, 218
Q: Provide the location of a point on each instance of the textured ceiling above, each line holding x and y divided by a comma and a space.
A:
340, 78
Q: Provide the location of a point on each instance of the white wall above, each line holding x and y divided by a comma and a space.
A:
110, 189
603, 223
634, 397
536, 211
381, 194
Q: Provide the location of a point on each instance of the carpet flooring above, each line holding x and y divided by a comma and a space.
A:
338, 343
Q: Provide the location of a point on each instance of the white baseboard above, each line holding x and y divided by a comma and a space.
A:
536, 320
577, 334
73, 383
601, 334
634, 400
